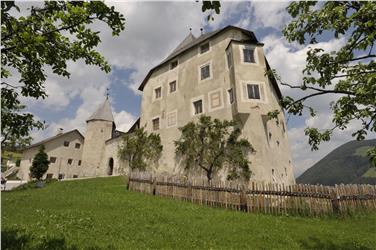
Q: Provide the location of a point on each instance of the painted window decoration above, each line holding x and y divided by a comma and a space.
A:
70, 161
173, 64
172, 86
205, 72
66, 143
172, 119
231, 95
197, 107
52, 159
158, 93
77, 145
215, 100
204, 48
249, 55
253, 91
155, 124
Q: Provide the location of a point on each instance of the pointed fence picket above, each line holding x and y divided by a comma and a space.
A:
268, 198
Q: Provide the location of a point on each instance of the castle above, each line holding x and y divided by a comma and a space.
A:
220, 74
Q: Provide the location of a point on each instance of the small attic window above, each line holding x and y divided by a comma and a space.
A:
173, 64
204, 48
66, 143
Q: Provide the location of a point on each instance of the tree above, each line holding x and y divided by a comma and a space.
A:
349, 73
49, 36
40, 164
211, 145
140, 149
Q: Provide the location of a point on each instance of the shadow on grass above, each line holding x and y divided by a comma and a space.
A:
315, 243
13, 239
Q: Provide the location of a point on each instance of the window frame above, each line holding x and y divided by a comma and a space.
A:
170, 64
262, 88
210, 71
255, 93
193, 109
71, 161
199, 48
169, 87
79, 145
66, 144
176, 118
255, 55
52, 157
159, 123
220, 97
154, 93
232, 96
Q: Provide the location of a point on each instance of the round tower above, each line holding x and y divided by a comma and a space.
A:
100, 127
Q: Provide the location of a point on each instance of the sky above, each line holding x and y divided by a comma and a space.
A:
152, 31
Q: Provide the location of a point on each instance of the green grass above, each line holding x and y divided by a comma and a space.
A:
101, 214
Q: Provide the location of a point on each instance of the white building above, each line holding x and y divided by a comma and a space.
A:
220, 74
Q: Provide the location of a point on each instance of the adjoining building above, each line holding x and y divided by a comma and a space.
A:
220, 74
72, 155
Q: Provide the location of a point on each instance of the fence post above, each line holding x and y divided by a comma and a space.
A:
189, 193
154, 185
335, 201
127, 179
243, 199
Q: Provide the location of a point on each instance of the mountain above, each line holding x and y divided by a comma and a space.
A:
346, 164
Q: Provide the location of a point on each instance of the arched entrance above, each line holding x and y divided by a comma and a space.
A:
110, 168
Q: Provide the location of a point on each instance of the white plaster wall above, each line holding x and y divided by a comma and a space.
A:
55, 148
269, 155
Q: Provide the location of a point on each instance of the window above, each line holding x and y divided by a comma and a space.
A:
205, 71
231, 95
156, 124
77, 145
158, 93
249, 55
79, 163
70, 161
197, 107
173, 64
49, 176
172, 86
172, 119
52, 159
75, 176
61, 176
204, 48
253, 91
229, 59
66, 143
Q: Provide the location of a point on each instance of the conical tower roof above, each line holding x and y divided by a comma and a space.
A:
104, 113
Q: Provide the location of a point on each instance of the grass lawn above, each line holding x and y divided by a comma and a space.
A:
101, 214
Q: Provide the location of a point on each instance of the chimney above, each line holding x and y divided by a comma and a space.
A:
60, 131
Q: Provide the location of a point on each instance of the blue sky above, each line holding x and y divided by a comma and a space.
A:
153, 29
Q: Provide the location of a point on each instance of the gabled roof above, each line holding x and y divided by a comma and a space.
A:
194, 42
103, 112
55, 137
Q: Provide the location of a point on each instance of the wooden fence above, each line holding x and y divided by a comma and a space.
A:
300, 199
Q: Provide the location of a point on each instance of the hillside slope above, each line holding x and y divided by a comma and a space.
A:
101, 214
346, 164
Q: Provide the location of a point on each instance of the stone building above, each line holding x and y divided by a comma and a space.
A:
72, 155
220, 74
